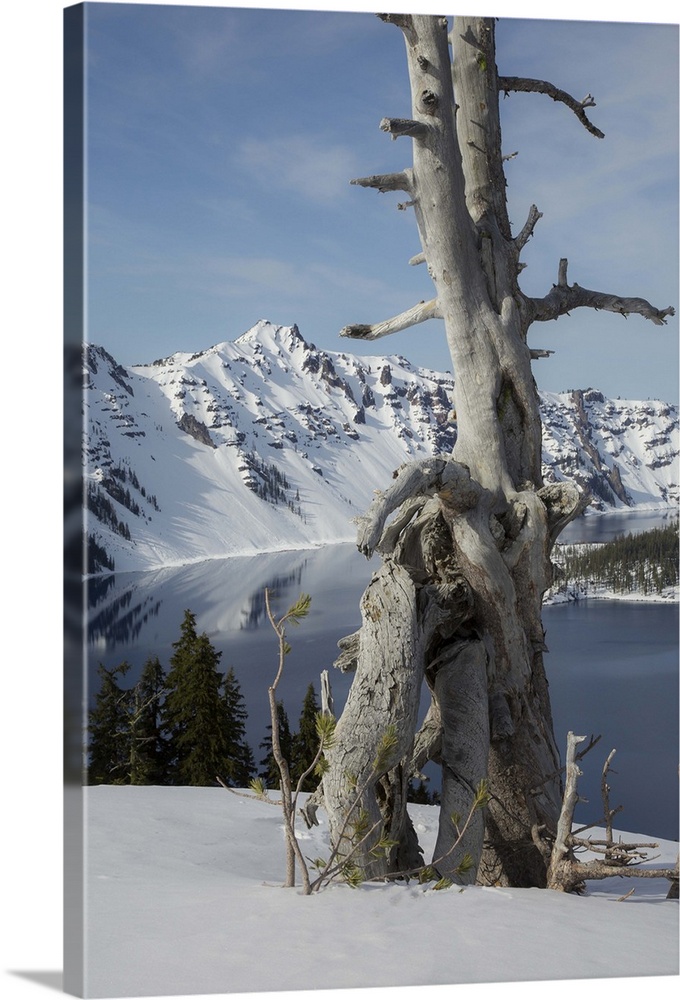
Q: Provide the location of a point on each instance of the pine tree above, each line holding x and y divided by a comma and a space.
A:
240, 761
108, 730
305, 742
148, 746
269, 770
418, 793
194, 710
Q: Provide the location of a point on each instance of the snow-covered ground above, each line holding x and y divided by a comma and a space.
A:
183, 896
597, 592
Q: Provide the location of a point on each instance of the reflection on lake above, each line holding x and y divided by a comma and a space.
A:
612, 665
140, 615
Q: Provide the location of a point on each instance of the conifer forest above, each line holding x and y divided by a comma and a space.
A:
645, 563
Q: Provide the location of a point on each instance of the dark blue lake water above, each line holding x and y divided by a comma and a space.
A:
612, 665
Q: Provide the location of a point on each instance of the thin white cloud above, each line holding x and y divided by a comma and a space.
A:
352, 283
305, 165
210, 45
252, 276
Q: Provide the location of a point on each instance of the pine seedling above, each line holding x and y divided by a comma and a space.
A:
325, 730
321, 767
298, 611
352, 875
357, 829
360, 825
294, 615
443, 883
384, 846
352, 781
429, 873
317, 863
258, 786
386, 748
465, 865
482, 795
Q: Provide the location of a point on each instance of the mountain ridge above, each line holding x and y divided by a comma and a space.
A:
266, 443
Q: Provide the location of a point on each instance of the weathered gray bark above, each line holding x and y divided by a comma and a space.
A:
460, 688
466, 558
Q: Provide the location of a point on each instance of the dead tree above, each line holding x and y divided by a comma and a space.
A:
568, 873
466, 557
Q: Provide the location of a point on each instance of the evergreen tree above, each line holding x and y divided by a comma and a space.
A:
269, 769
194, 710
148, 746
240, 767
108, 736
305, 742
418, 793
645, 562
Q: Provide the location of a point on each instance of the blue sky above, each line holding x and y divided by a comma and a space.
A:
221, 143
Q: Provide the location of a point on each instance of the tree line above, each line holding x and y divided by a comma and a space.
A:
186, 726
645, 563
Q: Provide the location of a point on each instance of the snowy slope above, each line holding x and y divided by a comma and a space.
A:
267, 443
183, 896
624, 452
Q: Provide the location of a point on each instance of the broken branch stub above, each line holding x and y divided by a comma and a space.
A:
419, 313
385, 182
404, 126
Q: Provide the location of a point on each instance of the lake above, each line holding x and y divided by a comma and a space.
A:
612, 665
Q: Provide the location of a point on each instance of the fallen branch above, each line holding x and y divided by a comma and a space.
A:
622, 899
565, 873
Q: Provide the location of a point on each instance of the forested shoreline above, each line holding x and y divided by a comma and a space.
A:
643, 564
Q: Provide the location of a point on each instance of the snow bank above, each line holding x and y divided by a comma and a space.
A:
183, 896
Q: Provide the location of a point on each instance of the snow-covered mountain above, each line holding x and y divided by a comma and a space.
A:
267, 443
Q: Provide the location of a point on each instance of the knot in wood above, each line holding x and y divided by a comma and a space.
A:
429, 102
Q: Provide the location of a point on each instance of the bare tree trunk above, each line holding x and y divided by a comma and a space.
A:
385, 692
467, 555
460, 689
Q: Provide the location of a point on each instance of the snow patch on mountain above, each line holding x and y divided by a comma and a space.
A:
266, 443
